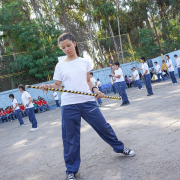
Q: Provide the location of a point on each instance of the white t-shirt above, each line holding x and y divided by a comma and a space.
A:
145, 67
73, 75
178, 62
168, 64
136, 73
55, 96
14, 102
158, 69
119, 72
25, 100
93, 80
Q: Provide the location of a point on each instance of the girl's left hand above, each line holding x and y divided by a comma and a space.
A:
100, 94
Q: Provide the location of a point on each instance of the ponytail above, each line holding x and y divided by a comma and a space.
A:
71, 37
77, 50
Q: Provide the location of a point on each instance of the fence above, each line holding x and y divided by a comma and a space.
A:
102, 74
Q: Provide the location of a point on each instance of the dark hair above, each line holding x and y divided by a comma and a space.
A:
125, 76
109, 75
98, 79
175, 55
143, 58
71, 37
167, 56
91, 73
163, 60
116, 63
11, 95
155, 62
22, 87
133, 68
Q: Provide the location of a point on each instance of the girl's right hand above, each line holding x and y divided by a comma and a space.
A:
44, 87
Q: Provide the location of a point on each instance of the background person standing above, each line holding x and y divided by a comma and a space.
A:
177, 64
56, 98
147, 76
171, 69
27, 102
112, 83
120, 83
95, 85
16, 109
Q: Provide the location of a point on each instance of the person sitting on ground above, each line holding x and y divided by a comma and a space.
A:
132, 80
22, 108
40, 105
140, 76
128, 82
164, 68
13, 112
35, 106
39, 97
9, 113
158, 72
3, 116
45, 104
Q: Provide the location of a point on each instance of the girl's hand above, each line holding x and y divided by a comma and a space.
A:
43, 87
99, 93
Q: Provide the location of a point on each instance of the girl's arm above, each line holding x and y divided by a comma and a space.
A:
139, 68
112, 69
56, 85
145, 72
119, 76
91, 85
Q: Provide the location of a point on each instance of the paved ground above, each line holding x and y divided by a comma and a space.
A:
149, 125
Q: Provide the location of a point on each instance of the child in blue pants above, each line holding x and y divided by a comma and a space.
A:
120, 83
136, 78
74, 73
147, 76
27, 102
16, 109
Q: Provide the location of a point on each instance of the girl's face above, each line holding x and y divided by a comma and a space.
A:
166, 57
142, 61
68, 47
116, 67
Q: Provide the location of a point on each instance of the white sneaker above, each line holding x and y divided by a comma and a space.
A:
175, 83
34, 129
141, 88
128, 152
70, 177
22, 125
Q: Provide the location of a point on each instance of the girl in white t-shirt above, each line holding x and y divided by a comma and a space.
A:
170, 69
147, 76
74, 73
16, 109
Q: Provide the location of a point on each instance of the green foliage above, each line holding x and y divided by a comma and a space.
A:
147, 45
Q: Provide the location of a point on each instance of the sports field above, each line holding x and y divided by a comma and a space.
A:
149, 125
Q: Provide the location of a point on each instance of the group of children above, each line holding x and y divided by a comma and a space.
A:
40, 105
9, 114
119, 83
